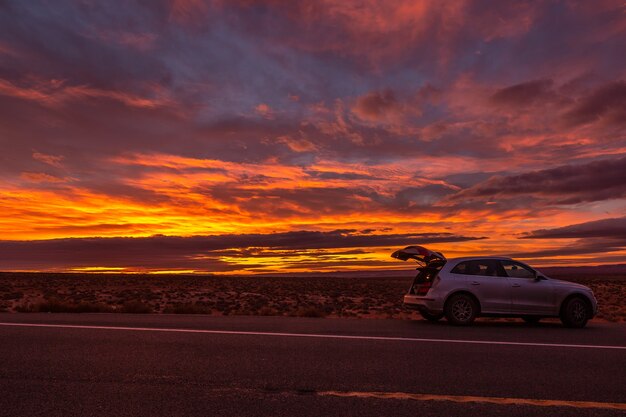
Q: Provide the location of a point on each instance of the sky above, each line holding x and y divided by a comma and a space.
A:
252, 136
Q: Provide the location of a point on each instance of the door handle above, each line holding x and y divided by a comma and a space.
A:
515, 285
475, 283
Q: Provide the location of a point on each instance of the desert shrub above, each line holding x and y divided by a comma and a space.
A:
188, 308
54, 305
91, 308
268, 311
16, 295
136, 307
309, 311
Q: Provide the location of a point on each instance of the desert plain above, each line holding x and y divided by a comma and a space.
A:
325, 295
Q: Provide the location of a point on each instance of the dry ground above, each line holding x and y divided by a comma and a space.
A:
319, 296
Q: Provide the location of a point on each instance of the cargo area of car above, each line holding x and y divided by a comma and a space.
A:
430, 263
424, 280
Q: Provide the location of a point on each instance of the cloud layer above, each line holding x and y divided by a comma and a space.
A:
262, 117
220, 253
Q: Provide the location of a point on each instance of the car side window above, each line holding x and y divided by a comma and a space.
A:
460, 268
484, 267
517, 270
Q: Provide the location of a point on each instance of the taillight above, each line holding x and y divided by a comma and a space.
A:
423, 288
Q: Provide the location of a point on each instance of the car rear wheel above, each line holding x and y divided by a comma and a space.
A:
531, 319
461, 310
575, 313
431, 317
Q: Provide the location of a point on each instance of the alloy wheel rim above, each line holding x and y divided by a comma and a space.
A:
578, 312
462, 310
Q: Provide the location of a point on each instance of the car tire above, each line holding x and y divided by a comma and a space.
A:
531, 319
461, 309
431, 317
575, 312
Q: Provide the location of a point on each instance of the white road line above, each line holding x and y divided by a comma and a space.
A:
314, 335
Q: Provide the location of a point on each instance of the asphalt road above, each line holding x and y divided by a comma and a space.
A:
173, 365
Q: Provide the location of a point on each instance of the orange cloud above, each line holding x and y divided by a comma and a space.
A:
55, 92
52, 160
264, 110
40, 177
266, 198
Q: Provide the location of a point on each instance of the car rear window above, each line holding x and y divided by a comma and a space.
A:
461, 268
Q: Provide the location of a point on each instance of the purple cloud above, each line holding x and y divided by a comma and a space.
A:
567, 184
605, 228
523, 94
607, 103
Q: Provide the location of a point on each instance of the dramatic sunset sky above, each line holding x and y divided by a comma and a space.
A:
292, 136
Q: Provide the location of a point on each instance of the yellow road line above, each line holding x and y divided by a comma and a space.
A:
474, 399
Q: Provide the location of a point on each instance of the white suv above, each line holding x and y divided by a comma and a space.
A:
462, 289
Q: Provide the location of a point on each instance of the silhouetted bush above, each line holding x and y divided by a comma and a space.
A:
136, 307
187, 308
268, 311
309, 311
54, 305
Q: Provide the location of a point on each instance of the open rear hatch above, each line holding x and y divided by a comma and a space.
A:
430, 263
419, 254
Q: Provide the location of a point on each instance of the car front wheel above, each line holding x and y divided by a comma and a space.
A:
461, 310
575, 313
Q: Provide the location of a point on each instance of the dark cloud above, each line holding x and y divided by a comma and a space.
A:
287, 202
587, 247
329, 175
351, 199
418, 198
376, 105
523, 94
257, 252
568, 184
196, 252
609, 228
607, 103
595, 237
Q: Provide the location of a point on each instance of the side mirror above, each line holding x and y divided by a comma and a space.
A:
539, 277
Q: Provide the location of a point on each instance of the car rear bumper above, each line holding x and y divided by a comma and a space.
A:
428, 304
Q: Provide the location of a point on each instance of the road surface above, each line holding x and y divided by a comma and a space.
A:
179, 365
